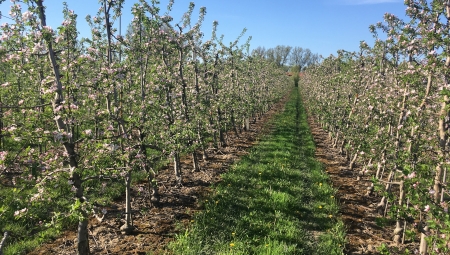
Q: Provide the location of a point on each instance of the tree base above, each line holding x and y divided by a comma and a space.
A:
127, 229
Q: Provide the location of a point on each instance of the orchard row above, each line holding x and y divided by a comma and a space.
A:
100, 108
387, 109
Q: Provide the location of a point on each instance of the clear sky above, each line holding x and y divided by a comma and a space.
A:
323, 26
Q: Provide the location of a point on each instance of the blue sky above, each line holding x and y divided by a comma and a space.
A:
323, 26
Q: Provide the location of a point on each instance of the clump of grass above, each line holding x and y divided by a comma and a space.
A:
271, 201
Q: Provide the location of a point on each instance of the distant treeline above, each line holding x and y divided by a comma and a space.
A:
288, 57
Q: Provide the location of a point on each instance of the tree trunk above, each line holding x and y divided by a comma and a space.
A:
219, 127
200, 140
398, 231
2, 243
195, 162
83, 236
128, 227
352, 163
69, 146
233, 122
177, 167
153, 189
423, 241
247, 124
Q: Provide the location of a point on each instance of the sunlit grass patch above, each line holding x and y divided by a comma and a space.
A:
271, 201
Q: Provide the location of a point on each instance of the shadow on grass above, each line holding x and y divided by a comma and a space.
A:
277, 195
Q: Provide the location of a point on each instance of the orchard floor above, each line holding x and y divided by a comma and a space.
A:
156, 225
358, 210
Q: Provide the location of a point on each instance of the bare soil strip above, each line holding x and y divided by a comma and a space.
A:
156, 225
357, 209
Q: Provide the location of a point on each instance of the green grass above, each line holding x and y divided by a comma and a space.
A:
276, 200
46, 219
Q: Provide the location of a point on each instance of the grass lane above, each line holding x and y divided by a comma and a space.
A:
276, 200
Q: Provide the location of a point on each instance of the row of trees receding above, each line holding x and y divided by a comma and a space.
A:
386, 108
78, 112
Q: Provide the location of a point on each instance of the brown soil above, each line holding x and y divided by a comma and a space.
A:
156, 225
357, 208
